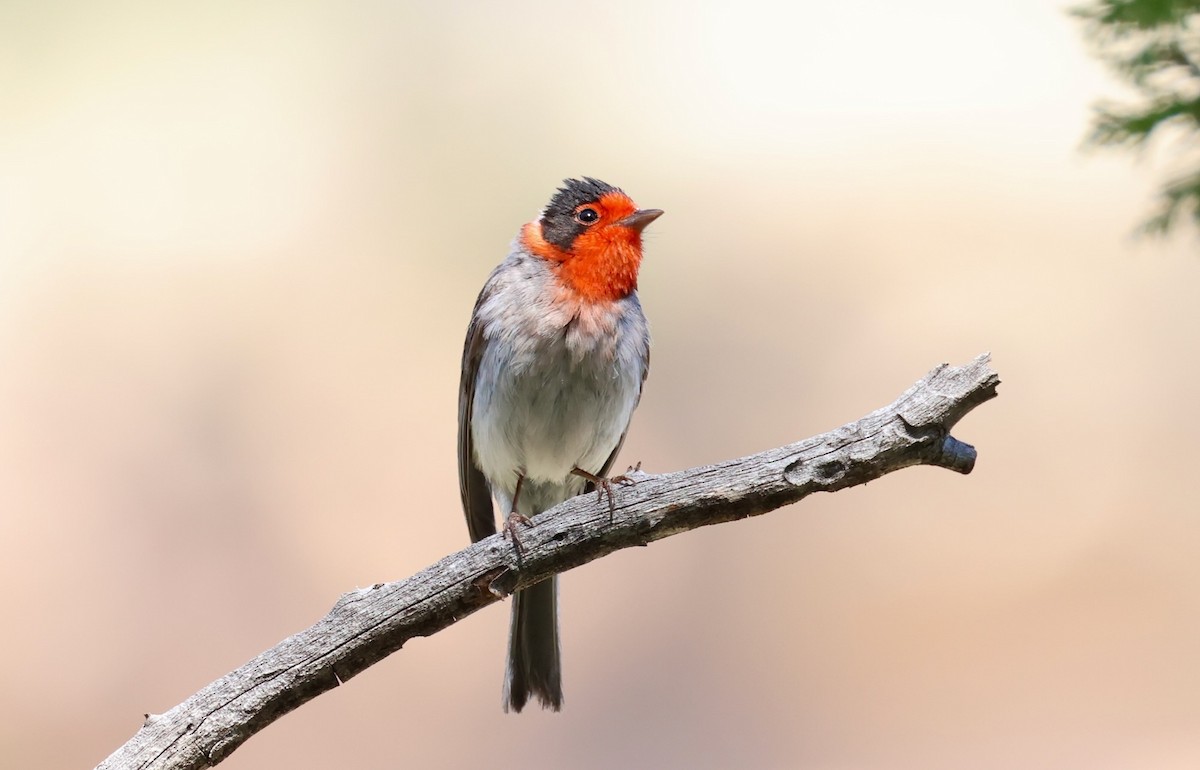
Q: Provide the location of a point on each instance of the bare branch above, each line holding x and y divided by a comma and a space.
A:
366, 625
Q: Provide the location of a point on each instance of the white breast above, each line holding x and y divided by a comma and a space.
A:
558, 380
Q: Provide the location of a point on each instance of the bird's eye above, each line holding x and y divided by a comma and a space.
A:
586, 216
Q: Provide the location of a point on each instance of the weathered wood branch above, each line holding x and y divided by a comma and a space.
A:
366, 625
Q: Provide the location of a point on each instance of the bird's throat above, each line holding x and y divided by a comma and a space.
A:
601, 266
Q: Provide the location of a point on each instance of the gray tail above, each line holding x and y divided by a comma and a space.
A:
534, 663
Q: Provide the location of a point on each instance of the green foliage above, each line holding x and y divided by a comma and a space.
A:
1154, 45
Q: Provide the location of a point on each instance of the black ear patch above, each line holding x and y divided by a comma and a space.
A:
558, 218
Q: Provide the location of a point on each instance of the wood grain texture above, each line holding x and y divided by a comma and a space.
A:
366, 625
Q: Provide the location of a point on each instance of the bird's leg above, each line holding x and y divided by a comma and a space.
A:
514, 519
604, 485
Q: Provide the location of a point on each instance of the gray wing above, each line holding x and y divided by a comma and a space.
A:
472, 485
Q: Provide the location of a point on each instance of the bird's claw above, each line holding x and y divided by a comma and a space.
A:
512, 522
604, 486
625, 479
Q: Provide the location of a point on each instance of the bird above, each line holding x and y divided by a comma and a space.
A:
556, 354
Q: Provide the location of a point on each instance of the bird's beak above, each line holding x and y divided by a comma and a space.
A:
638, 220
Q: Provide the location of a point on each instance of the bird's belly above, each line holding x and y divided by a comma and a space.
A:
572, 426
545, 420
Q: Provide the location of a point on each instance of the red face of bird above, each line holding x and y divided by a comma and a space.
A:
593, 232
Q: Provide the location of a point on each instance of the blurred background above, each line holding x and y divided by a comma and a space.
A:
239, 244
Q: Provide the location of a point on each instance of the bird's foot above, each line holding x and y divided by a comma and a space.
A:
626, 480
512, 522
604, 485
